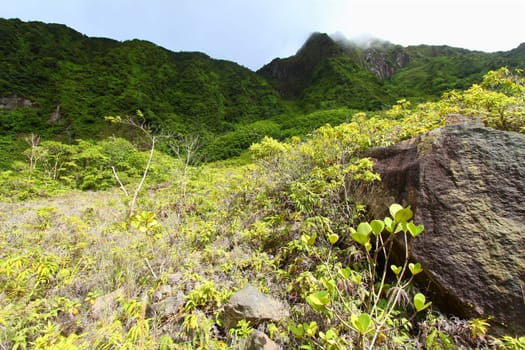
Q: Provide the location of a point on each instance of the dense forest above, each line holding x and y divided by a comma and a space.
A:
141, 188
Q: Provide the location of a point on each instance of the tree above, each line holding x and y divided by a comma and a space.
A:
34, 153
153, 138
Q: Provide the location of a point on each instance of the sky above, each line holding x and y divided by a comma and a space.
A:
253, 32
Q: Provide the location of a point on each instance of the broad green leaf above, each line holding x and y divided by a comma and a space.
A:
396, 269
356, 278
389, 224
360, 236
415, 268
362, 323
309, 240
394, 208
297, 331
419, 302
364, 228
328, 283
346, 272
318, 300
403, 215
333, 238
415, 230
377, 227
310, 329
401, 227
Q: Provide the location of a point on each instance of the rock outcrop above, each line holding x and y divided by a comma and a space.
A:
14, 102
385, 60
466, 184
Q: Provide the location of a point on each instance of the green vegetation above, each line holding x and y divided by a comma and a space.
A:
61, 84
133, 232
77, 271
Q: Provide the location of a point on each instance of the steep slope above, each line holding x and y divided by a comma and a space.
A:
76, 80
323, 75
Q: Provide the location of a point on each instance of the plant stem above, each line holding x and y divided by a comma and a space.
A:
141, 183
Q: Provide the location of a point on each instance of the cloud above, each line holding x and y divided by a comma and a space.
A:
254, 32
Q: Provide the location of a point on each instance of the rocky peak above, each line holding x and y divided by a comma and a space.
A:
319, 46
380, 57
315, 49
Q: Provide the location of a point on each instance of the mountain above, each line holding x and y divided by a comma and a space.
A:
59, 84
324, 75
84, 79
337, 72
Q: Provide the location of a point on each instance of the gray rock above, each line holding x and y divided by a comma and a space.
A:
105, 304
169, 306
252, 305
260, 341
466, 184
161, 292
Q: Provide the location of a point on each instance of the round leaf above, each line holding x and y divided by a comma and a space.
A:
333, 238
415, 268
396, 269
318, 300
377, 226
362, 323
389, 224
419, 302
364, 228
415, 230
360, 236
403, 215
394, 208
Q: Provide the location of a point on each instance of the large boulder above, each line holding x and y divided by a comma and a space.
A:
466, 184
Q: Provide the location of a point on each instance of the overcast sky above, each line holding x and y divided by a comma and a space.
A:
253, 32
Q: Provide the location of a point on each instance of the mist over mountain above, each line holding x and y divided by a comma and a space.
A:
372, 73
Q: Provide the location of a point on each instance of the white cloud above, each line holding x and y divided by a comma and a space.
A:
253, 32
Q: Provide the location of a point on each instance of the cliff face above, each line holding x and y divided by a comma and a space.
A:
384, 63
14, 102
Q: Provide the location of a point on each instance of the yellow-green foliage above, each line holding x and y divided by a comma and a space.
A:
499, 100
77, 273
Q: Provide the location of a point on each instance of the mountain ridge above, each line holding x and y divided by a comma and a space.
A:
403, 71
72, 81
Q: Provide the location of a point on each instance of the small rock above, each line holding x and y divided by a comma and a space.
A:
169, 306
252, 305
161, 292
104, 304
260, 341
175, 278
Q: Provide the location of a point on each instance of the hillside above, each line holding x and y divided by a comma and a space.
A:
86, 78
84, 266
337, 72
59, 84
115, 235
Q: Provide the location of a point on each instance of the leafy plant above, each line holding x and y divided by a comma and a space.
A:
378, 315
